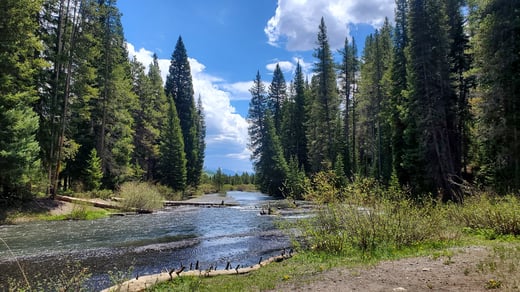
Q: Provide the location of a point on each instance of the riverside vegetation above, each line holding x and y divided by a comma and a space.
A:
364, 222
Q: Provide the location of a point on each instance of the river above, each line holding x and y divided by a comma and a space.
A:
143, 244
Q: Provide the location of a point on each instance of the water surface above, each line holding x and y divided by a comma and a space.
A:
144, 244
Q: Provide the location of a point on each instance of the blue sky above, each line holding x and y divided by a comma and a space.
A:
229, 40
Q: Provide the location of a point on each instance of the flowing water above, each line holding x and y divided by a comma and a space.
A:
143, 244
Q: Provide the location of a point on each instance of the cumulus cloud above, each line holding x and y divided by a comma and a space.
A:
238, 90
295, 23
285, 66
226, 132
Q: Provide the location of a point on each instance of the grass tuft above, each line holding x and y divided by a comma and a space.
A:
139, 195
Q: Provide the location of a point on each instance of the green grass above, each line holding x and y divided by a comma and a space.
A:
504, 261
299, 269
79, 212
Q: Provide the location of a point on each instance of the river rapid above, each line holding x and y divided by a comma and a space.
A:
142, 244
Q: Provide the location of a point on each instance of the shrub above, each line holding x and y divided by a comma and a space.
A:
492, 214
323, 188
140, 195
367, 220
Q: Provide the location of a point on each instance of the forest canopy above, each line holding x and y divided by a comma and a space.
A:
431, 104
76, 113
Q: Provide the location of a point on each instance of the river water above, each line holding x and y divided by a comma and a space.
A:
143, 244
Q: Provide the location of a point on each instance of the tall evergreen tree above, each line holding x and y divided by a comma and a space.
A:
179, 85
347, 74
267, 154
497, 57
324, 106
112, 115
432, 115
201, 130
397, 86
374, 142
256, 117
146, 130
354, 105
276, 96
271, 167
84, 96
460, 62
19, 67
158, 112
293, 133
300, 100
172, 161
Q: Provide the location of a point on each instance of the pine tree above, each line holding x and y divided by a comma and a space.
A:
19, 150
255, 117
293, 132
112, 114
172, 161
158, 112
85, 94
271, 167
276, 96
218, 180
460, 62
146, 130
324, 106
374, 107
201, 130
267, 153
431, 103
497, 49
398, 84
179, 85
347, 72
93, 173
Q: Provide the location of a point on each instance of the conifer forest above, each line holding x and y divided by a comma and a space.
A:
77, 113
432, 104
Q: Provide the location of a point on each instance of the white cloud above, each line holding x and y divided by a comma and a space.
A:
224, 127
285, 66
295, 23
238, 90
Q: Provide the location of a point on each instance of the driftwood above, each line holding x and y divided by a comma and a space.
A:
141, 283
87, 202
98, 204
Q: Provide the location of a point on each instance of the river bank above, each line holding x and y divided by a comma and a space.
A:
48, 209
489, 266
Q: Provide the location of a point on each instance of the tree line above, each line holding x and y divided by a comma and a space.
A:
431, 104
77, 112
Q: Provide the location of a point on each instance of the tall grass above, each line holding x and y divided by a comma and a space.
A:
366, 217
144, 196
492, 215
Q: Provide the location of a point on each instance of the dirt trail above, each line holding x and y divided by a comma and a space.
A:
455, 271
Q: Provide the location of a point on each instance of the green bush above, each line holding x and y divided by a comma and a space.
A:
364, 218
140, 195
492, 215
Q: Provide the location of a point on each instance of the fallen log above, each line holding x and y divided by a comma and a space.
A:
142, 283
88, 202
98, 204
